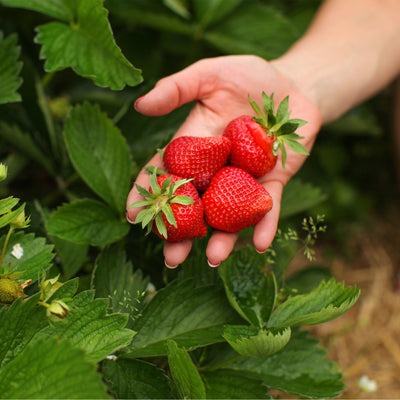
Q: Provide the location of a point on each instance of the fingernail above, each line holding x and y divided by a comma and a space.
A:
138, 101
170, 266
213, 265
261, 251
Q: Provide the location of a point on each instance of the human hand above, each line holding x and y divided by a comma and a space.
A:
221, 87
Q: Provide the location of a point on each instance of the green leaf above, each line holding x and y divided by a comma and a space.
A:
7, 204
184, 373
284, 154
211, 11
300, 368
283, 113
253, 28
305, 280
86, 44
184, 200
151, 15
251, 291
326, 302
136, 379
150, 133
60, 9
298, 197
263, 118
99, 153
162, 229
87, 222
9, 69
66, 291
72, 256
179, 7
113, 278
51, 369
268, 105
25, 144
293, 144
191, 316
169, 215
19, 323
89, 327
230, 384
253, 342
36, 258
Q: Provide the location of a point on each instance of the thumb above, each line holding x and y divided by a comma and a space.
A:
175, 90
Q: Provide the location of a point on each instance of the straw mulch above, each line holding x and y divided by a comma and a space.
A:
366, 340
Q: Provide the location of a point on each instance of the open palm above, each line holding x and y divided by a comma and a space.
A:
221, 87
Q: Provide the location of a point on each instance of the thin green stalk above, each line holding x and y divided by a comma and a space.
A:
47, 79
3, 252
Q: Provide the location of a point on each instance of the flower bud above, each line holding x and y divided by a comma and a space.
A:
57, 308
19, 221
3, 172
48, 286
10, 290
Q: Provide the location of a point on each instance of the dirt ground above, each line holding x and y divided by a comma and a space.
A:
366, 340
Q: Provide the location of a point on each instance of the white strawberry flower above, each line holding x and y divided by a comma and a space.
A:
367, 385
17, 251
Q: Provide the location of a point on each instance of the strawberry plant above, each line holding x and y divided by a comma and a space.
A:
87, 308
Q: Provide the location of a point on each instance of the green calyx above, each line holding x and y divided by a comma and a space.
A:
280, 125
158, 203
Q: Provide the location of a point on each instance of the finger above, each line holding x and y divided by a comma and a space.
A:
265, 230
220, 246
176, 253
192, 83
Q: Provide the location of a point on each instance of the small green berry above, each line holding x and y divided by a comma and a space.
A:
57, 309
10, 290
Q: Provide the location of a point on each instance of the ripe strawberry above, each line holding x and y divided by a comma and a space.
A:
256, 141
196, 157
235, 200
174, 210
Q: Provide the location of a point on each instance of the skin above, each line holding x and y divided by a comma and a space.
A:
338, 63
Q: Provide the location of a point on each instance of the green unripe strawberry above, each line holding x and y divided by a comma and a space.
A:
10, 290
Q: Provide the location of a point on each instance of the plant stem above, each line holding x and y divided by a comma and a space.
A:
46, 79
5, 245
42, 303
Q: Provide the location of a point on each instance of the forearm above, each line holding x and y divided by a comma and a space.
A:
349, 53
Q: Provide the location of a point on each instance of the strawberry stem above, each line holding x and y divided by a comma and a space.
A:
5, 246
280, 125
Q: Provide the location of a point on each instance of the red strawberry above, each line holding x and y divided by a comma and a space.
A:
174, 210
256, 141
235, 200
197, 157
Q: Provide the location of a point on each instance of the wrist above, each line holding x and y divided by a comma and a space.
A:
300, 79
